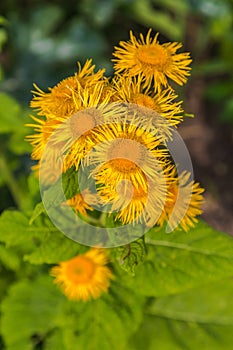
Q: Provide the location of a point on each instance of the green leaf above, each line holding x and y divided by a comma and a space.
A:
53, 248
13, 228
199, 318
179, 261
46, 315
70, 182
9, 258
106, 323
29, 312
131, 255
54, 341
9, 114
42, 242
38, 210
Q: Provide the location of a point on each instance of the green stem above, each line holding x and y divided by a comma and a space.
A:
11, 183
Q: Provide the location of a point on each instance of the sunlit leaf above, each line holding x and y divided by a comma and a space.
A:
179, 261
199, 318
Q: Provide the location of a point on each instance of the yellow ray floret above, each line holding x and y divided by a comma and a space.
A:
80, 131
82, 202
131, 90
155, 62
62, 99
85, 276
135, 205
66, 131
126, 152
43, 131
183, 203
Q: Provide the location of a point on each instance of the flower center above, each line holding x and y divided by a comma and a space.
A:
154, 55
80, 269
82, 122
144, 100
125, 154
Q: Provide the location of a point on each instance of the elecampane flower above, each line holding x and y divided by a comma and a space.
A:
155, 62
81, 202
131, 90
126, 152
62, 99
85, 276
183, 203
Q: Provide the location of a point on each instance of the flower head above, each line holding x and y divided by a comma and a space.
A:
62, 99
183, 202
132, 90
84, 276
152, 60
126, 152
81, 202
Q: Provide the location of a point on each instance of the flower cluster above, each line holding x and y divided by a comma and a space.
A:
120, 128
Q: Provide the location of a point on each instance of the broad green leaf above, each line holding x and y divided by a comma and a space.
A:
6, 278
179, 261
106, 323
45, 314
54, 341
29, 312
42, 241
53, 248
9, 114
38, 210
131, 255
9, 258
199, 318
13, 227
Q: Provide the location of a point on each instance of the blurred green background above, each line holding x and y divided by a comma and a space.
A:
41, 41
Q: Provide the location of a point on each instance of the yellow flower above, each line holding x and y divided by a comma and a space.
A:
131, 90
84, 276
126, 151
183, 203
66, 131
64, 99
81, 129
44, 129
152, 60
135, 205
81, 202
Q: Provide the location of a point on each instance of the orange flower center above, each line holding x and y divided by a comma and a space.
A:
144, 100
80, 269
125, 154
126, 148
154, 55
81, 122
